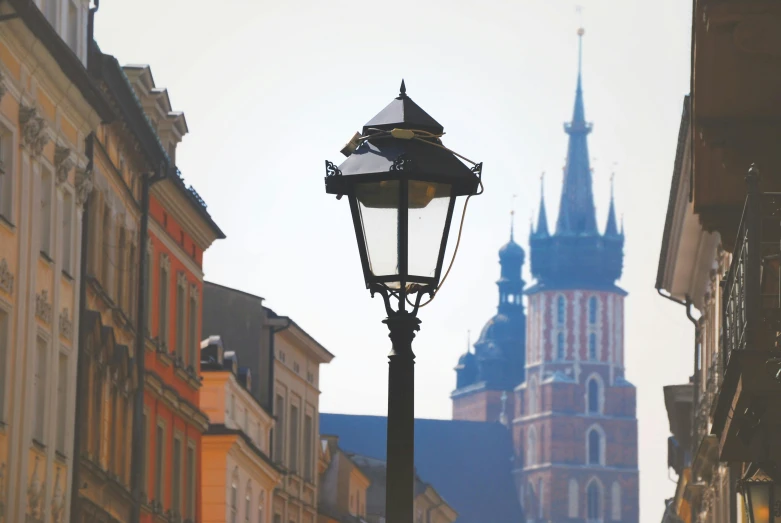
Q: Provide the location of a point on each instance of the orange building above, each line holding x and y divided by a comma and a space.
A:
179, 231
238, 475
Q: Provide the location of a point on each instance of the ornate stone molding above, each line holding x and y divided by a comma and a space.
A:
58, 500
62, 163
165, 262
35, 493
3, 87
6, 278
181, 279
66, 325
33, 136
194, 291
43, 309
83, 185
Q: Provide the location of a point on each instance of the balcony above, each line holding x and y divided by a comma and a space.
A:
747, 405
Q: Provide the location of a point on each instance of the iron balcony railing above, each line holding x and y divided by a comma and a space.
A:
752, 294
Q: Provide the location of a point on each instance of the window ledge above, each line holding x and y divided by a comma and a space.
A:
47, 258
39, 445
60, 456
67, 275
5, 222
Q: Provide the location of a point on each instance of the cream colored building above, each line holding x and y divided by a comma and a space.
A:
49, 106
238, 476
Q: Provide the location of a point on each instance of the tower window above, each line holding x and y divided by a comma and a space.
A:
593, 501
593, 396
560, 346
592, 310
560, 310
594, 450
573, 498
592, 346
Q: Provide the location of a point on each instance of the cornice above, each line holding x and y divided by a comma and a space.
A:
176, 249
182, 211
178, 404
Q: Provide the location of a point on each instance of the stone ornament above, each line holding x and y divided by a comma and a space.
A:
58, 500
35, 493
3, 90
181, 280
66, 325
194, 291
62, 163
165, 262
6, 278
83, 185
33, 127
43, 309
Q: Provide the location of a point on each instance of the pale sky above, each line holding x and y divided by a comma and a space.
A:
272, 89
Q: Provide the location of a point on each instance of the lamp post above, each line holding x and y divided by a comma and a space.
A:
762, 498
402, 184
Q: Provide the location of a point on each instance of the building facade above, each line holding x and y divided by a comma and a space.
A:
49, 109
238, 474
342, 485
286, 363
692, 264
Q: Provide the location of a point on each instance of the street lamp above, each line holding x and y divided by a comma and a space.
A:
402, 184
762, 498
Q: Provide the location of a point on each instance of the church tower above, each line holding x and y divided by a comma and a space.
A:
486, 378
575, 426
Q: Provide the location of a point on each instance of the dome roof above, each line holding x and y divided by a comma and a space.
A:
511, 250
466, 359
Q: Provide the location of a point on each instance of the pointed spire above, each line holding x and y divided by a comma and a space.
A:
542, 219
611, 229
468, 341
402, 90
577, 214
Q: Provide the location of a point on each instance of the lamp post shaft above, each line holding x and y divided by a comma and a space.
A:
400, 479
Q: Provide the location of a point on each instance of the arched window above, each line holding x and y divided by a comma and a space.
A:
615, 500
541, 503
561, 306
573, 498
593, 400
560, 346
531, 447
247, 501
592, 310
592, 346
532, 396
593, 501
594, 447
235, 499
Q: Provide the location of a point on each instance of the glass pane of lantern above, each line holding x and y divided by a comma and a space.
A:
758, 496
776, 503
378, 203
428, 204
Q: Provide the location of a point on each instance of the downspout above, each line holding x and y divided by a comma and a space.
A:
697, 361
81, 380
138, 440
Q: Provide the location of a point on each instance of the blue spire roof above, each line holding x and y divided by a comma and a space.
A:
542, 218
577, 256
577, 214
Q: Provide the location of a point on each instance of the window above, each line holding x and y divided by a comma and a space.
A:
261, 503
193, 340
40, 390
573, 498
97, 410
62, 395
293, 463
105, 257
176, 480
592, 346
541, 504
67, 233
531, 447
232, 413
132, 292
532, 396
50, 10
145, 453
560, 346
46, 212
3, 360
234, 498
73, 27
279, 430
162, 328
148, 279
561, 310
308, 444
181, 303
592, 310
160, 463
6, 174
191, 473
247, 501
615, 501
121, 269
594, 396
112, 431
594, 447
593, 501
